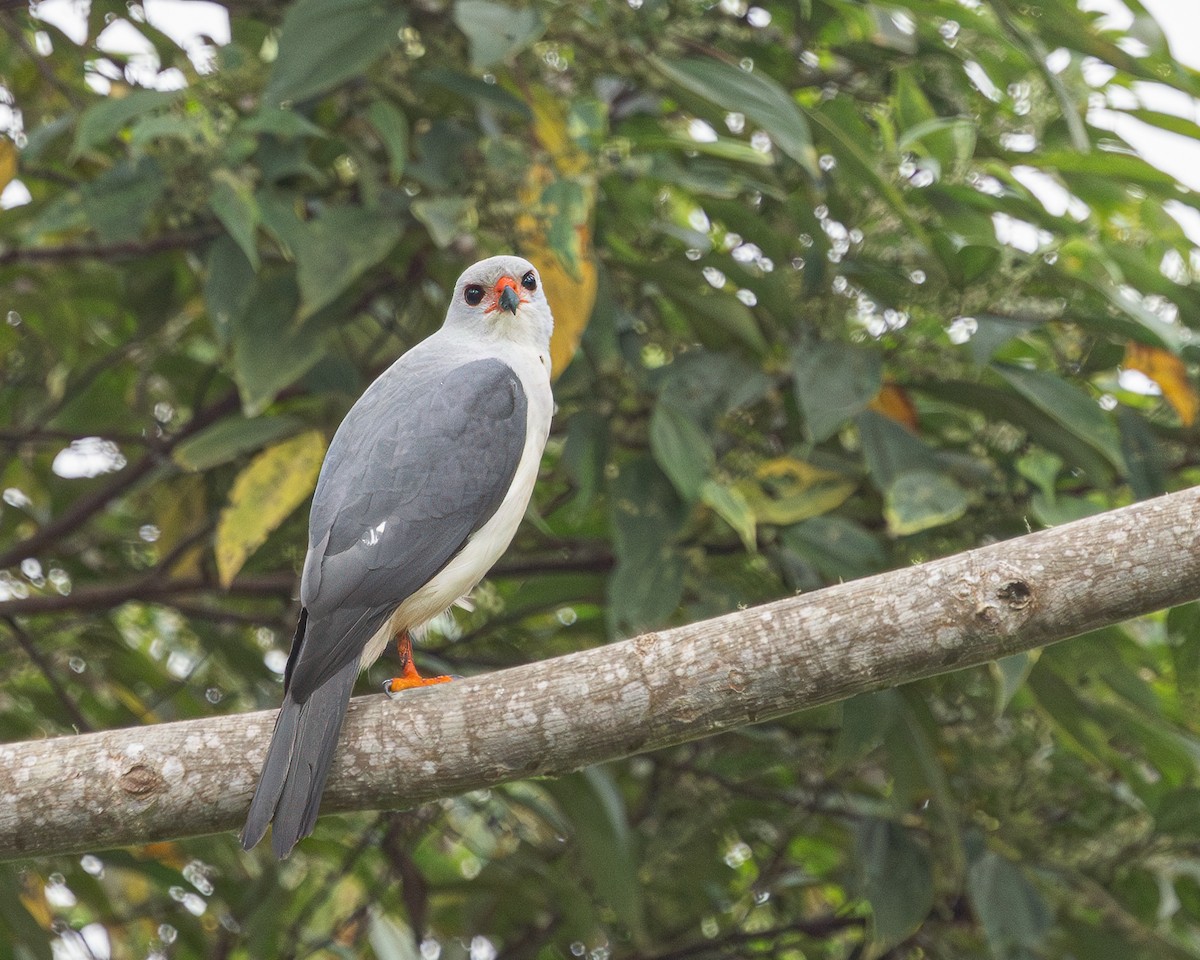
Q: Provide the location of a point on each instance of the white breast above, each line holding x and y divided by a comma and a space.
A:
464, 571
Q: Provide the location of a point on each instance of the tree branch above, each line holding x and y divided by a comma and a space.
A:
17, 35
82, 509
148, 589
152, 783
110, 251
25, 641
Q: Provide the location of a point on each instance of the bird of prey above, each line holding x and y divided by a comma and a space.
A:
420, 493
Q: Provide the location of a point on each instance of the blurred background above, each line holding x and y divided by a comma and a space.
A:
840, 286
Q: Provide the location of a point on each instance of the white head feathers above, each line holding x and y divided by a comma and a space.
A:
502, 297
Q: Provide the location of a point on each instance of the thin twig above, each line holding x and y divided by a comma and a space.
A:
238, 617
109, 251
591, 558
27, 644
148, 589
14, 438
818, 927
1035, 49
13, 29
397, 827
84, 508
179, 550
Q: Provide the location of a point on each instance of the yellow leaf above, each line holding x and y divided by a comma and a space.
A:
8, 162
1168, 371
165, 852
33, 897
569, 277
894, 403
265, 493
786, 490
732, 506
179, 510
571, 301
550, 127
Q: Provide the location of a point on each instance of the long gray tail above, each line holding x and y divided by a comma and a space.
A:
297, 764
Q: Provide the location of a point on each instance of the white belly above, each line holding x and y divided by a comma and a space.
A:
466, 568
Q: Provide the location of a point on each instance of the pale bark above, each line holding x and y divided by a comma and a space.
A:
153, 783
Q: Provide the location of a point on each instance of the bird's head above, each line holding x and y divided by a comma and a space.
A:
502, 297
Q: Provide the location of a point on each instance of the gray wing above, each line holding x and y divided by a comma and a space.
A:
419, 464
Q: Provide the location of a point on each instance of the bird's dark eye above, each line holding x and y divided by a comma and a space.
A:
529, 281
473, 294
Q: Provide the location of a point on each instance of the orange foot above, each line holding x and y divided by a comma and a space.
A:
409, 677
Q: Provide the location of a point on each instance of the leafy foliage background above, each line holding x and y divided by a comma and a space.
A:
830, 319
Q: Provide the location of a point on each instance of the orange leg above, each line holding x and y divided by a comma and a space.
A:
409, 677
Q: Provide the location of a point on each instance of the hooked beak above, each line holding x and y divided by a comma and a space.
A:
507, 297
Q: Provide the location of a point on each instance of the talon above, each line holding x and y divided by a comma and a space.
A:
397, 685
409, 678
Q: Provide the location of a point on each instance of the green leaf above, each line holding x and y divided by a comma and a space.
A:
915, 746
841, 549
495, 32
913, 109
333, 250
476, 91
708, 385
1183, 629
852, 141
1143, 453
993, 333
1064, 508
724, 311
446, 218
391, 939
1010, 674
270, 350
168, 127
17, 922
950, 140
1002, 404
965, 262
264, 494
1041, 468
1163, 333
1108, 165
1179, 813
646, 584
732, 507
585, 454
103, 121
895, 875
119, 202
865, 720
391, 124
325, 42
887, 32
285, 124
1071, 408
595, 807
754, 94
1014, 916
1075, 721
973, 261
229, 439
834, 383
921, 499
233, 202
682, 449
890, 450
228, 285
